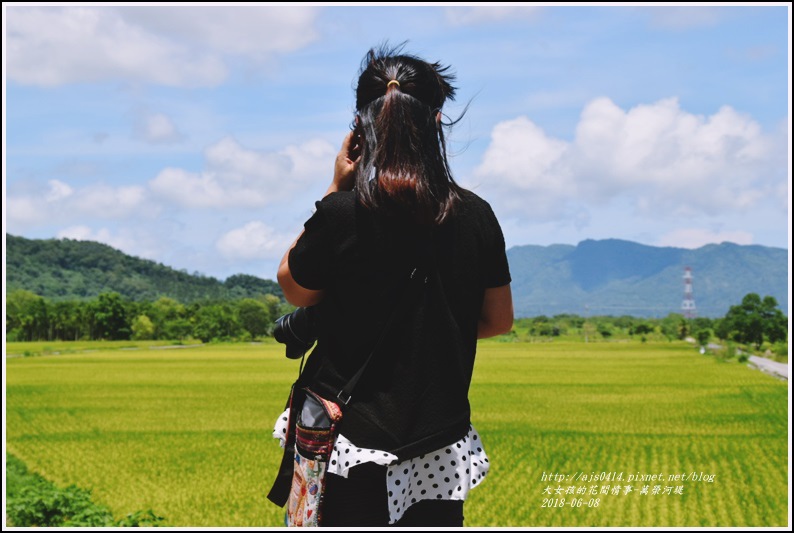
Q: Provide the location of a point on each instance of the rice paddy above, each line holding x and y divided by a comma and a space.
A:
187, 433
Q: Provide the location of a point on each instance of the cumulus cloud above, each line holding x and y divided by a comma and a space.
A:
53, 46
235, 176
168, 45
697, 237
84, 233
106, 201
76, 233
126, 241
528, 167
255, 240
673, 159
23, 211
157, 128
467, 16
663, 159
62, 202
29, 209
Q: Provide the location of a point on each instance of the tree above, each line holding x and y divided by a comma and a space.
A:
142, 328
27, 317
215, 322
675, 326
605, 330
643, 328
253, 317
110, 318
703, 336
67, 320
177, 329
776, 325
754, 321
168, 318
275, 306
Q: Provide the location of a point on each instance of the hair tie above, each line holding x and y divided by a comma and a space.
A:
392, 81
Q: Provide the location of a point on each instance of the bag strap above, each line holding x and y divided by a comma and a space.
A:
279, 493
416, 280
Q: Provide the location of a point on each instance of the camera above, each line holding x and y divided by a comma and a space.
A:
297, 330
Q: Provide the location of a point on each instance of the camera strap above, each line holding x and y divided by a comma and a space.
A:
415, 282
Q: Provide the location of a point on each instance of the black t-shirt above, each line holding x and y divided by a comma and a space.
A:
413, 396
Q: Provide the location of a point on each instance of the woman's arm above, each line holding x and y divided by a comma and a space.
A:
496, 316
294, 293
344, 179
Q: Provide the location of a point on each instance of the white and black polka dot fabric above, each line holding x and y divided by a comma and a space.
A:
445, 474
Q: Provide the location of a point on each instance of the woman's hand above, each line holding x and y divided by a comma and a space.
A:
344, 179
346, 162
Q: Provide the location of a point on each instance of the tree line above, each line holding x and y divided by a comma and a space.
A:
110, 316
755, 321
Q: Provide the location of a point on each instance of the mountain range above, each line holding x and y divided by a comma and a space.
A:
617, 277
595, 277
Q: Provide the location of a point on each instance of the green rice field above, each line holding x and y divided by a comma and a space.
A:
187, 433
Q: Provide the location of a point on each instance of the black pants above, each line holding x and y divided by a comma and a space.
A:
361, 501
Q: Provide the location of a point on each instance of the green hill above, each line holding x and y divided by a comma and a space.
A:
65, 269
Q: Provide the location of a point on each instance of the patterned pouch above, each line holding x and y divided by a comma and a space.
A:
315, 432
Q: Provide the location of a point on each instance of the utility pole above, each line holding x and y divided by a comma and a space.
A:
585, 325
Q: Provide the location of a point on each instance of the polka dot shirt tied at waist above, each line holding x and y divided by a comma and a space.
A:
445, 474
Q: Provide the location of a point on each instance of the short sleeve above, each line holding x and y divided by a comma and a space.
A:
496, 271
310, 261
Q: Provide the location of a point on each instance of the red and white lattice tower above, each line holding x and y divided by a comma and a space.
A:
688, 305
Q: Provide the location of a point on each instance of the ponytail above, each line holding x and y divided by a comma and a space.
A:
403, 165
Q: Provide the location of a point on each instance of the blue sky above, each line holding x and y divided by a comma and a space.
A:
200, 136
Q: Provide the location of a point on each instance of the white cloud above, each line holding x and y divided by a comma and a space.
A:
157, 128
238, 177
128, 241
527, 166
670, 158
168, 45
467, 16
255, 240
52, 46
58, 191
188, 189
23, 211
256, 32
77, 233
103, 235
233, 177
109, 202
697, 237
62, 202
683, 17
665, 160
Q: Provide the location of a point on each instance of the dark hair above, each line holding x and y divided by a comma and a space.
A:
403, 164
